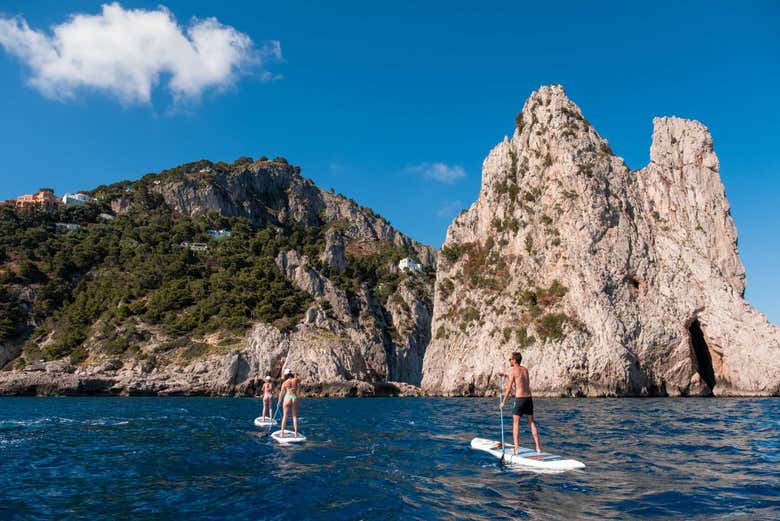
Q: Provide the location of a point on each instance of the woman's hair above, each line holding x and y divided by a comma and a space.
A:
518, 357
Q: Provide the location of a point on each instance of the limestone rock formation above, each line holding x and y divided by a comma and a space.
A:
363, 332
274, 192
609, 281
340, 362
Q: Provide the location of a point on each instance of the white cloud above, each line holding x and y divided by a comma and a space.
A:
128, 52
449, 209
440, 172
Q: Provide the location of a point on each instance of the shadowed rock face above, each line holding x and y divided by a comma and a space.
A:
609, 281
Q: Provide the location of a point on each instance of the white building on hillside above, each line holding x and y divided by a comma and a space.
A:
67, 226
78, 198
410, 265
195, 246
218, 234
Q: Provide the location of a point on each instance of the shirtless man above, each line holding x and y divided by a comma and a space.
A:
524, 403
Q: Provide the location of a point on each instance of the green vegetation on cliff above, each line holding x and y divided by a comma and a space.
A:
134, 270
114, 282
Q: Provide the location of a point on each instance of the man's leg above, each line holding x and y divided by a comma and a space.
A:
516, 431
535, 434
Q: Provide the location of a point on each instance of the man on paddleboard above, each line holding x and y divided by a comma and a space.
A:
524, 403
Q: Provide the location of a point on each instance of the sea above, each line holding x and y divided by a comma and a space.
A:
385, 458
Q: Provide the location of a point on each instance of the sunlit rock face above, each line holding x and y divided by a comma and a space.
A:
609, 281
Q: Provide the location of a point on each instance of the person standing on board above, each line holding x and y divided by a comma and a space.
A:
288, 393
268, 397
524, 403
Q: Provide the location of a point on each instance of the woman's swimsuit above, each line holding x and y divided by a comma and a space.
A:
290, 395
267, 395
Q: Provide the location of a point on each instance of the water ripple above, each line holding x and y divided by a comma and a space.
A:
199, 458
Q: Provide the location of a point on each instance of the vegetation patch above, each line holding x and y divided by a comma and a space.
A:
523, 338
194, 350
469, 314
484, 267
586, 169
539, 305
570, 113
453, 251
441, 332
550, 326
360, 249
446, 287
507, 334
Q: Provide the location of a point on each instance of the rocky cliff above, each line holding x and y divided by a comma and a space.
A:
273, 193
609, 281
307, 279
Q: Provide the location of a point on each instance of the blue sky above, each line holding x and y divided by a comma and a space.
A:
367, 98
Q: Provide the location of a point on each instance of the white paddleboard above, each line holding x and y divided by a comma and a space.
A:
265, 422
526, 457
289, 437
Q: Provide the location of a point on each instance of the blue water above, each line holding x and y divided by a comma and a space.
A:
385, 458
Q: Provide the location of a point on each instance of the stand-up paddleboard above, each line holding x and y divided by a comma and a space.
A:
526, 457
288, 437
265, 422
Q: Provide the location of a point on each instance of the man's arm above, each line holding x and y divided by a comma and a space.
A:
508, 390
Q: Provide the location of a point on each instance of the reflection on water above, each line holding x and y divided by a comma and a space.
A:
198, 458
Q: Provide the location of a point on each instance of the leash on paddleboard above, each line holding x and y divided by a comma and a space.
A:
500, 395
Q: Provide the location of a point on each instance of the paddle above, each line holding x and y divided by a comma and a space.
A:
500, 397
273, 418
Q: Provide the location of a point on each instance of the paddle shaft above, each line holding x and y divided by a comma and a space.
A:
500, 398
274, 417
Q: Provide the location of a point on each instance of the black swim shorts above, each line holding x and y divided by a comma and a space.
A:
523, 406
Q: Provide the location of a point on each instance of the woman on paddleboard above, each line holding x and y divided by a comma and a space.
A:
268, 398
289, 393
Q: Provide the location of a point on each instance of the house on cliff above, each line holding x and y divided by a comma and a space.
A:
409, 264
76, 199
43, 199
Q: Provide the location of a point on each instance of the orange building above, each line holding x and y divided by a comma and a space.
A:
45, 199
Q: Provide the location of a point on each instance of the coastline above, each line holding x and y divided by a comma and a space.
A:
63, 384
